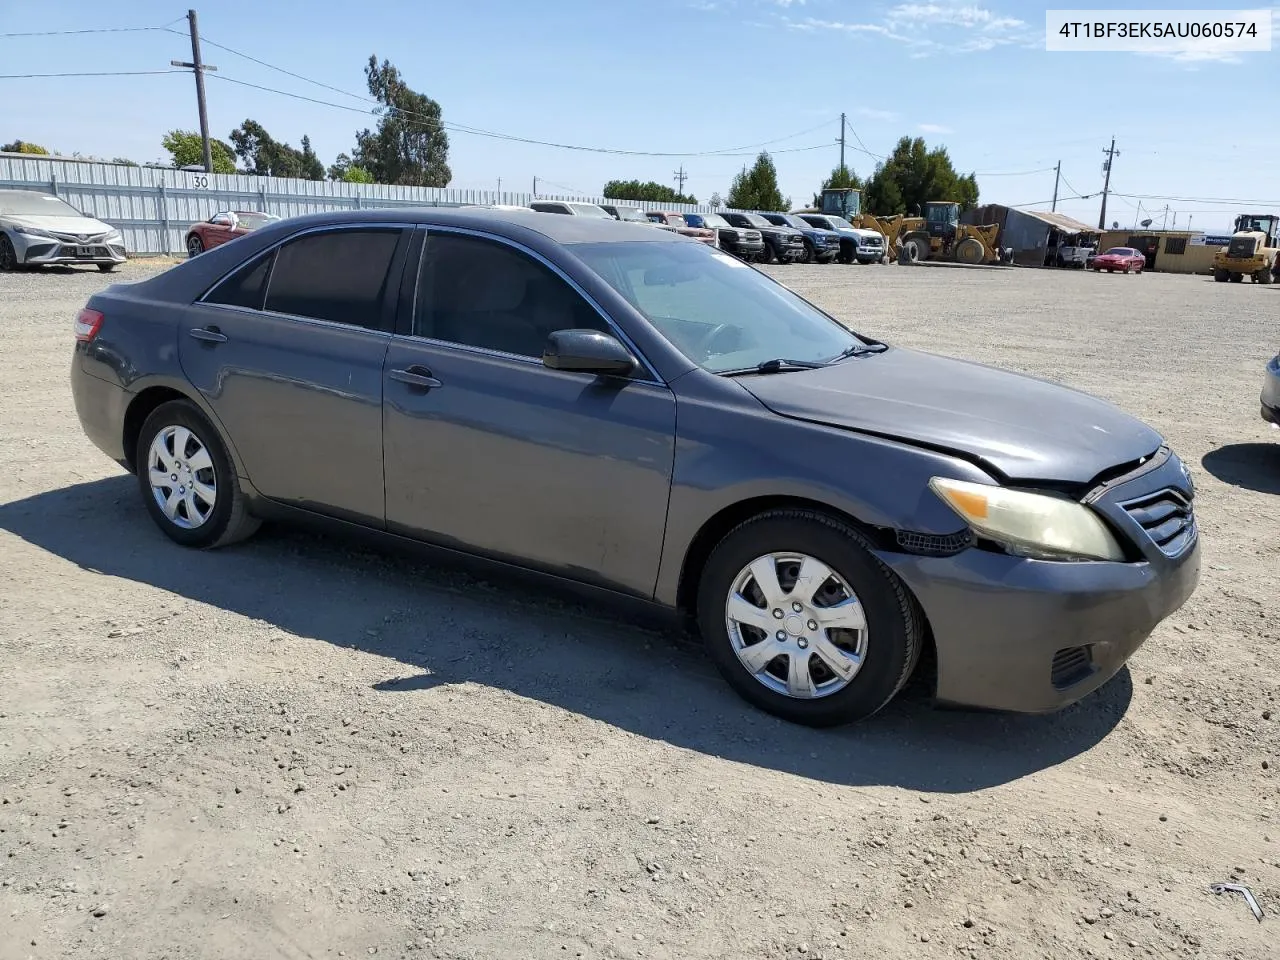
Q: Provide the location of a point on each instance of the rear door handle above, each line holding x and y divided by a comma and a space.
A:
209, 334
416, 376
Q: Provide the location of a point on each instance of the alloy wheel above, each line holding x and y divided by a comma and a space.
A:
796, 625
182, 478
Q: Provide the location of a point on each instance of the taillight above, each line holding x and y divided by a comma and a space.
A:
88, 323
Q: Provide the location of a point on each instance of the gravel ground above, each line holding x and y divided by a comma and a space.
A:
297, 748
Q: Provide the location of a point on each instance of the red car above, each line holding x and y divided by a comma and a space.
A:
224, 226
1125, 259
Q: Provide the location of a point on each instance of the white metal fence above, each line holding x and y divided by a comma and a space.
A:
154, 206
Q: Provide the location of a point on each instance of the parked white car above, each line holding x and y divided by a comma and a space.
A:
37, 229
1271, 392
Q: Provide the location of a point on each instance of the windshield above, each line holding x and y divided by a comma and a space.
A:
252, 221
713, 220
22, 204
719, 312
589, 210
1121, 252
631, 213
756, 220
794, 221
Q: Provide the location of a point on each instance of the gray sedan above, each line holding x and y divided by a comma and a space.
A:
635, 413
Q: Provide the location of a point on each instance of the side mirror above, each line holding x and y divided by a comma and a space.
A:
587, 351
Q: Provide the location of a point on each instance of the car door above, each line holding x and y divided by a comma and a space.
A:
491, 452
217, 231
288, 352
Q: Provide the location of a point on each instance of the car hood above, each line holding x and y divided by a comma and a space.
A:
76, 225
1019, 427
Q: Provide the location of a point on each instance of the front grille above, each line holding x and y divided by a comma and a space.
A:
76, 239
871, 242
1070, 666
753, 235
1167, 518
1240, 247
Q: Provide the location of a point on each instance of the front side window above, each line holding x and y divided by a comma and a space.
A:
482, 293
589, 210
340, 276
720, 313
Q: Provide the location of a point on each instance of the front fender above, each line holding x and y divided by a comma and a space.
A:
726, 456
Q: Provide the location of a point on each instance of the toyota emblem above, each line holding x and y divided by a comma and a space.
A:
83, 237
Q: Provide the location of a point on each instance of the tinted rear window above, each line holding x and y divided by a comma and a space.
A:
338, 276
244, 288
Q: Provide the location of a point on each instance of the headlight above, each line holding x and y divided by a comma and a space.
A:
33, 232
113, 237
1030, 524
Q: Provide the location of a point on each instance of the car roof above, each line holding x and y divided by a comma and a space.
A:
509, 223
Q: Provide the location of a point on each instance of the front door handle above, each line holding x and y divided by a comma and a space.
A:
416, 376
209, 334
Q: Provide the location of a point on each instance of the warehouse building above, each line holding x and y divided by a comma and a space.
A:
1168, 251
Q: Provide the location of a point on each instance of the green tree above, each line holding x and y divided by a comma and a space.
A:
410, 146
22, 146
757, 188
355, 174
649, 190
716, 200
264, 156
839, 178
312, 168
186, 149
913, 175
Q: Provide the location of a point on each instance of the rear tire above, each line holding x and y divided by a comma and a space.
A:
1237, 278
888, 646
195, 246
1221, 276
177, 440
1263, 275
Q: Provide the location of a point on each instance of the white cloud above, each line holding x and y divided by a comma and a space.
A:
788, 3
933, 128
871, 113
978, 28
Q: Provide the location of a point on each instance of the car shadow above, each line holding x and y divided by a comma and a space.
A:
448, 627
1254, 466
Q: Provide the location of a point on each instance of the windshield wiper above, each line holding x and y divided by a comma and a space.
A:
857, 350
777, 365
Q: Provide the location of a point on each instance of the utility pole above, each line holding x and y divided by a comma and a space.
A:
842, 126
681, 177
1106, 186
198, 66
499, 189
535, 186
1057, 175
1164, 220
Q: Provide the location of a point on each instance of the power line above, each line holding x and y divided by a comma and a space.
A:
1017, 173
108, 73
476, 131
860, 143
1153, 196
69, 33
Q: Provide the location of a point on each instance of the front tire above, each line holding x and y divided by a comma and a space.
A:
187, 480
195, 246
107, 267
1237, 278
8, 256
804, 622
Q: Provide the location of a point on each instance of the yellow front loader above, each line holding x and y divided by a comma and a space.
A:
939, 235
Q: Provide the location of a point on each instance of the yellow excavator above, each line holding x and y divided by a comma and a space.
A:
939, 235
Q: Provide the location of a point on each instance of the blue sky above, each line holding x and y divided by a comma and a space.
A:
678, 76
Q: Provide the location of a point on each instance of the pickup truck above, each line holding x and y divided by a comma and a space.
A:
781, 244
820, 245
743, 244
856, 244
674, 221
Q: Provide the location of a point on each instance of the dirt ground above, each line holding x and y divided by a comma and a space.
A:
297, 748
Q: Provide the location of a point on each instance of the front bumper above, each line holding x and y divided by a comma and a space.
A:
869, 254
791, 252
743, 248
1271, 392
1034, 636
38, 251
